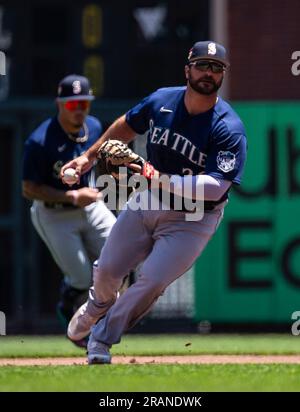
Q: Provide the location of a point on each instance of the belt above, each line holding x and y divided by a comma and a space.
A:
59, 205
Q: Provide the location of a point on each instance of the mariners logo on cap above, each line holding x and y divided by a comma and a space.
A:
76, 87
226, 161
211, 48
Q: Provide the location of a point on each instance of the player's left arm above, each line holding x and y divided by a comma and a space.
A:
198, 187
114, 154
224, 166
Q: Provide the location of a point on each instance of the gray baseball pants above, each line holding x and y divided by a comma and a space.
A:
74, 237
165, 242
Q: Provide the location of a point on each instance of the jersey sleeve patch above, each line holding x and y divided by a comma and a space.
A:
226, 161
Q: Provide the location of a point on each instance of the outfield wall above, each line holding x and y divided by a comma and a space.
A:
250, 271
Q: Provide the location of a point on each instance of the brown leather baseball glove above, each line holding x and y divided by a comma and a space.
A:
114, 154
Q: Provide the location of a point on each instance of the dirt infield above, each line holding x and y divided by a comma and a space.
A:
195, 359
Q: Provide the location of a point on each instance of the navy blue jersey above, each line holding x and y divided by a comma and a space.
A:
213, 142
48, 148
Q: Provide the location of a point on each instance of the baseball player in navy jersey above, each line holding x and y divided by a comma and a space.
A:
73, 223
192, 133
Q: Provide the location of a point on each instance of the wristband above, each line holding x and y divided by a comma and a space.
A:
149, 172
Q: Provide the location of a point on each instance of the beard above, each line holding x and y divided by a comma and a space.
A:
206, 85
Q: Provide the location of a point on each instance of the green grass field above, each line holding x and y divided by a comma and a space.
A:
44, 346
153, 377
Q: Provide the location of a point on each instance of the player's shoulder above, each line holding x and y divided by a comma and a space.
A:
93, 122
227, 118
168, 92
39, 134
167, 97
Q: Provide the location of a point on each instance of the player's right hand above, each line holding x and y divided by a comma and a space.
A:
81, 164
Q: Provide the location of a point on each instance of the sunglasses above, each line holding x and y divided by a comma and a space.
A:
73, 105
203, 66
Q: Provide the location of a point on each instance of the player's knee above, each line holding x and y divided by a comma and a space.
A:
82, 284
80, 278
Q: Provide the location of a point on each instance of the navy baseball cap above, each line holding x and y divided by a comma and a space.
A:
208, 50
74, 87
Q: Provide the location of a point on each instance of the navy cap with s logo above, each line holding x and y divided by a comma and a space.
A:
208, 50
74, 87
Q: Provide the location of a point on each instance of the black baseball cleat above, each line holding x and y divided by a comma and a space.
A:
70, 300
64, 315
